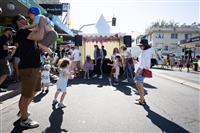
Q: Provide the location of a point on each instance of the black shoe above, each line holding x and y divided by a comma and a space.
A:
2, 90
46, 91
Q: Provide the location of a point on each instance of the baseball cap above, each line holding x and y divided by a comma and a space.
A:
143, 42
18, 18
34, 10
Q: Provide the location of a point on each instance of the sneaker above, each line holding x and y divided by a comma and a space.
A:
19, 113
60, 105
95, 76
100, 77
29, 123
126, 80
2, 90
54, 102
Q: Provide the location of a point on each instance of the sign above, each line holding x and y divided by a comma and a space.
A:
65, 7
194, 39
55, 9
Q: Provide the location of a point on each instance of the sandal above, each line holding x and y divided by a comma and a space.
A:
141, 103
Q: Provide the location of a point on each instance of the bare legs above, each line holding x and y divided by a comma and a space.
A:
140, 87
62, 96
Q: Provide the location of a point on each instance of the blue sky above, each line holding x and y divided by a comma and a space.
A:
132, 15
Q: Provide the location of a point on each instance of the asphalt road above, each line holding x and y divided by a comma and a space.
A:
95, 106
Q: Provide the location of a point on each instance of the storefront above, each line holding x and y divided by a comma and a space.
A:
192, 47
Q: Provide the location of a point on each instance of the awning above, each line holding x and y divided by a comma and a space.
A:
18, 7
29, 3
192, 42
58, 23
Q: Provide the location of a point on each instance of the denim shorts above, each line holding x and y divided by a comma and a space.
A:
140, 78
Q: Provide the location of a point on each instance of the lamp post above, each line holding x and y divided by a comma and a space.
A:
113, 24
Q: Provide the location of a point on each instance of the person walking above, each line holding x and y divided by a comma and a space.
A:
144, 63
29, 71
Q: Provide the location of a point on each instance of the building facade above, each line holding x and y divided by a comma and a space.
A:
166, 38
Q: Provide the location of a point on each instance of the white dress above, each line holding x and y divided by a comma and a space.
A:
45, 77
62, 81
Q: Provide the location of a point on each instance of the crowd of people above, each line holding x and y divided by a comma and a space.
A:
34, 63
171, 61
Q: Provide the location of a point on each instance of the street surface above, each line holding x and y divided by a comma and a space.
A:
95, 106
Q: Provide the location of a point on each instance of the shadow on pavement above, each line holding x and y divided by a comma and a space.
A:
164, 124
99, 82
124, 87
55, 119
17, 128
39, 97
148, 86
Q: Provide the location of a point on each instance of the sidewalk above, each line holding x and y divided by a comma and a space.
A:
191, 79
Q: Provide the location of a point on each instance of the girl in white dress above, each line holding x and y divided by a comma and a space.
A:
62, 83
45, 78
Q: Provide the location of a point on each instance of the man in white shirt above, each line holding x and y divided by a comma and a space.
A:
76, 57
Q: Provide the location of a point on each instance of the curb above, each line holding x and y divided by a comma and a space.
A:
181, 81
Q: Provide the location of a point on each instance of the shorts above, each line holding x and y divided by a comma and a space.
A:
4, 67
30, 81
140, 78
16, 60
49, 38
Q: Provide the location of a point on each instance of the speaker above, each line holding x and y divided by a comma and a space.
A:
127, 40
78, 40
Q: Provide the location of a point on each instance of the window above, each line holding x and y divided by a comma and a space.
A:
188, 36
160, 35
174, 36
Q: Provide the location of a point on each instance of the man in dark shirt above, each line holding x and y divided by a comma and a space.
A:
4, 49
29, 70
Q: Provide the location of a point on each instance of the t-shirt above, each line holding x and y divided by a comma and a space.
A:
37, 20
29, 53
3, 42
76, 55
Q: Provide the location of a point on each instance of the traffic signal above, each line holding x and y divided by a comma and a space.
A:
113, 21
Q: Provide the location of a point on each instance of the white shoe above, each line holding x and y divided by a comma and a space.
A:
126, 80
95, 76
29, 123
100, 77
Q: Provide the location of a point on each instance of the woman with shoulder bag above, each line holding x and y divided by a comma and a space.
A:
144, 64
